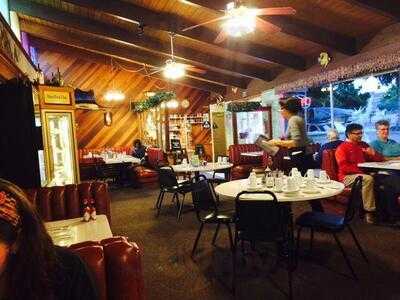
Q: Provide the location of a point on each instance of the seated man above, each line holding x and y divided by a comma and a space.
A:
348, 155
388, 182
389, 148
333, 143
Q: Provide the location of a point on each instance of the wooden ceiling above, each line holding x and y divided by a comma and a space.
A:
114, 28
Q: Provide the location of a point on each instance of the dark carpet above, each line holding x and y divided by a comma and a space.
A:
170, 273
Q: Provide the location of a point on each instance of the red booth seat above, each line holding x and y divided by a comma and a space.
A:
66, 202
148, 173
242, 165
116, 267
338, 203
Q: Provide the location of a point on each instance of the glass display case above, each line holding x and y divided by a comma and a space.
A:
60, 147
58, 161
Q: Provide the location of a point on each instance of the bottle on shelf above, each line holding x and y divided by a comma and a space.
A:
40, 75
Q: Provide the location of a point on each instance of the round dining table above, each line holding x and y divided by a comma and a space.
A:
188, 168
322, 190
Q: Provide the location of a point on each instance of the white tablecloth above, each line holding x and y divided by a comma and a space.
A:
122, 159
232, 188
206, 168
72, 231
385, 165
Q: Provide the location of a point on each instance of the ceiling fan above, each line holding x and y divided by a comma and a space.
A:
240, 19
173, 69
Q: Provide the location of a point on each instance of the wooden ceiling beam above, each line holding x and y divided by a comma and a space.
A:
127, 37
388, 7
174, 23
98, 46
299, 28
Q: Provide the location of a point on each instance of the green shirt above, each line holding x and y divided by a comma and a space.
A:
389, 149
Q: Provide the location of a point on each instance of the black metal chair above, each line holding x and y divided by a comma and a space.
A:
206, 209
265, 221
334, 224
221, 175
169, 184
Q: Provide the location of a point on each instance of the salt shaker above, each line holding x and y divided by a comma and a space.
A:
86, 214
93, 214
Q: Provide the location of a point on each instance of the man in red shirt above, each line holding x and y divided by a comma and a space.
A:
348, 155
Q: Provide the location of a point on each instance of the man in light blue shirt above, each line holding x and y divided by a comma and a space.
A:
389, 148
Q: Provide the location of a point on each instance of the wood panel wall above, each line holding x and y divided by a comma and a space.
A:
86, 74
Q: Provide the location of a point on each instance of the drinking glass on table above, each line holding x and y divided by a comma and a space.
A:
269, 181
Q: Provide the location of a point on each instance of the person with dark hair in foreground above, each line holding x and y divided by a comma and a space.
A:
348, 155
31, 266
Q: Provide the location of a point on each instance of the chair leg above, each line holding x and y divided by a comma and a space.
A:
234, 261
160, 203
230, 236
358, 244
178, 217
158, 199
216, 234
345, 256
197, 239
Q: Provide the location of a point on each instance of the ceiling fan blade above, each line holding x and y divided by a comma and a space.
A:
154, 72
266, 26
195, 69
204, 23
222, 36
276, 11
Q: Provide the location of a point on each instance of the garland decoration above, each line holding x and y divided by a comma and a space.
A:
240, 106
153, 101
378, 60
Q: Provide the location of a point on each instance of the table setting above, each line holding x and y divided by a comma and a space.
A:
294, 187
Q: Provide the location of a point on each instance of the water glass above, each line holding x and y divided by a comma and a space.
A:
269, 181
323, 176
225, 160
310, 174
184, 161
291, 184
278, 184
219, 159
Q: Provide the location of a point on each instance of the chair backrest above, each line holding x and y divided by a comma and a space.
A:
66, 202
203, 196
167, 177
116, 267
155, 156
236, 158
329, 163
261, 220
354, 200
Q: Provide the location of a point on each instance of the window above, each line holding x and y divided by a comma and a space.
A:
363, 100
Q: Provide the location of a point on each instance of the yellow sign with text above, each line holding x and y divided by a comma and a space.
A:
56, 97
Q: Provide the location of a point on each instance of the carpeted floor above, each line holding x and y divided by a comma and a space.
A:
170, 273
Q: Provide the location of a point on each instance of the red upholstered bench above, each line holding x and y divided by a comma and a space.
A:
116, 267
66, 202
242, 165
148, 173
338, 203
